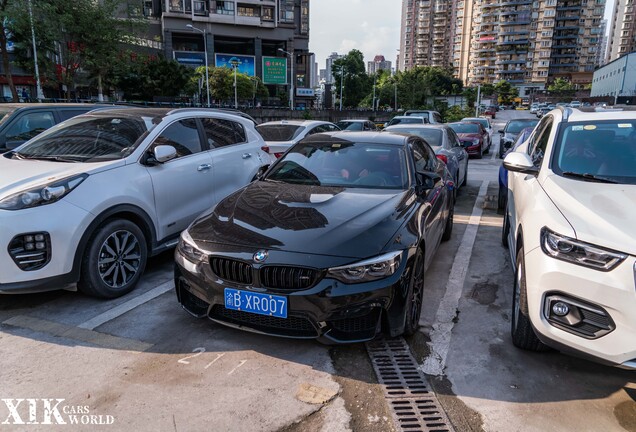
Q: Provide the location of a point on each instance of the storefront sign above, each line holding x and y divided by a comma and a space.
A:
274, 70
245, 64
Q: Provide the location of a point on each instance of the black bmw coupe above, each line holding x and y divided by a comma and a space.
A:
332, 242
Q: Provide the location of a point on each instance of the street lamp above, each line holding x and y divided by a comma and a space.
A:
254, 92
40, 95
205, 49
235, 63
342, 74
291, 96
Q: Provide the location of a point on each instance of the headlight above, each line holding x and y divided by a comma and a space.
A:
369, 270
476, 141
577, 252
42, 195
188, 248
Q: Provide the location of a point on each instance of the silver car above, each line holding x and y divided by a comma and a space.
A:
282, 134
445, 144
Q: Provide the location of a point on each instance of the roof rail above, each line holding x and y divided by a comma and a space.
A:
565, 111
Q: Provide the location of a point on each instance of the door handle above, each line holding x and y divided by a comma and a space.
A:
247, 155
204, 167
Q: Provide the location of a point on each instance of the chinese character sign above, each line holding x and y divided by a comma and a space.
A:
274, 70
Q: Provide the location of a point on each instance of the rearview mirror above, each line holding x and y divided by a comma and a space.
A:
426, 180
159, 155
501, 131
521, 163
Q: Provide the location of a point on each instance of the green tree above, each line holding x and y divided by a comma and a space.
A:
562, 88
8, 13
357, 83
506, 92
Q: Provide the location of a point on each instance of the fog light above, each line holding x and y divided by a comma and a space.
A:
29, 246
28, 238
40, 245
560, 309
39, 237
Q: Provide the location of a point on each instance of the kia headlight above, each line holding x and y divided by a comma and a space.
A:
189, 249
578, 252
42, 195
368, 270
475, 141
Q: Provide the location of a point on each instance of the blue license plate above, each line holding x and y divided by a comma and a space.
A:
262, 304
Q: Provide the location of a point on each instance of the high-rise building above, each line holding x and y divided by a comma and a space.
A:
525, 42
329, 74
249, 34
601, 52
378, 63
622, 35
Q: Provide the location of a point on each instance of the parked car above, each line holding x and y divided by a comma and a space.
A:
446, 145
89, 200
356, 125
331, 243
503, 172
570, 232
490, 111
575, 104
473, 136
485, 122
282, 134
510, 132
433, 117
19, 122
406, 120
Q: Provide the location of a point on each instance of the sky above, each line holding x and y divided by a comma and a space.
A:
371, 26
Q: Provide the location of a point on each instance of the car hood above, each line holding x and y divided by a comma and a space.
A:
320, 220
20, 175
599, 213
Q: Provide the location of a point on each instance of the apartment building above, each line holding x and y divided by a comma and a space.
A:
525, 42
247, 34
622, 30
378, 63
329, 66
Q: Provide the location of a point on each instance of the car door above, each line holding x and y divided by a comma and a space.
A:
235, 160
431, 218
183, 186
454, 146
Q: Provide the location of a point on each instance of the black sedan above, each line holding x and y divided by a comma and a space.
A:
510, 132
331, 243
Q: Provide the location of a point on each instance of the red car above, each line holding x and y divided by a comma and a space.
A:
473, 136
490, 111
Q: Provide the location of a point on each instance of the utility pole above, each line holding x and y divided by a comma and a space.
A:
291, 88
478, 98
375, 74
341, 84
395, 89
205, 50
40, 95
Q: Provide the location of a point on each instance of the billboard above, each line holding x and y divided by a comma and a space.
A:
190, 58
245, 63
274, 70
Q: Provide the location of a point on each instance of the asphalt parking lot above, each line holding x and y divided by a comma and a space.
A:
141, 362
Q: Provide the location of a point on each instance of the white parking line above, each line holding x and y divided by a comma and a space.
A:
444, 319
131, 304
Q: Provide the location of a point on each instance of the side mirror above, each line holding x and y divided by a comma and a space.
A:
160, 154
426, 180
501, 131
261, 172
521, 163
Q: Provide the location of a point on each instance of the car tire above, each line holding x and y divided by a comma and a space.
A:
501, 200
114, 259
480, 154
465, 176
505, 230
448, 228
523, 335
413, 306
487, 149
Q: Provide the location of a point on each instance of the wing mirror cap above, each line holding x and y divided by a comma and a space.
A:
520, 162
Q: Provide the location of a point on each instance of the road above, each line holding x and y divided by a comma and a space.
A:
141, 362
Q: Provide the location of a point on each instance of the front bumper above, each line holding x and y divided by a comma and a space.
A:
330, 311
613, 293
474, 150
65, 224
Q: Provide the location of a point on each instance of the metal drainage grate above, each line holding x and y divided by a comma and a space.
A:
413, 404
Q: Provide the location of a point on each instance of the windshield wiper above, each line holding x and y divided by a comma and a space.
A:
53, 158
589, 177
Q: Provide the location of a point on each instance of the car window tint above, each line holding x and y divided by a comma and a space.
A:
221, 132
423, 156
454, 139
183, 136
67, 114
29, 125
331, 128
437, 117
541, 143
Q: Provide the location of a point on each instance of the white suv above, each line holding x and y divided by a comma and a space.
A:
92, 198
570, 228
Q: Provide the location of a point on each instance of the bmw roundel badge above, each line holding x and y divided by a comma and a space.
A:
260, 256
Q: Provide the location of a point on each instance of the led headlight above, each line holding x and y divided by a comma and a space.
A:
42, 195
188, 248
578, 252
476, 141
368, 270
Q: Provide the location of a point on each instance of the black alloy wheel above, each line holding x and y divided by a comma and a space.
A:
448, 227
523, 335
114, 260
413, 306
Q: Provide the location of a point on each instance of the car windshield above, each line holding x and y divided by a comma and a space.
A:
5, 115
350, 125
432, 136
470, 128
89, 138
481, 121
515, 126
407, 120
279, 132
602, 150
344, 164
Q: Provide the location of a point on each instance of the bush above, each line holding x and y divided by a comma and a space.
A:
456, 113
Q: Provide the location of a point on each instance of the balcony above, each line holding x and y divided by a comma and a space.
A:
567, 18
512, 23
568, 8
509, 71
514, 32
513, 42
568, 36
566, 27
503, 62
564, 46
515, 11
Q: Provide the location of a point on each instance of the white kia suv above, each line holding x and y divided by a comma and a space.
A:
570, 228
92, 198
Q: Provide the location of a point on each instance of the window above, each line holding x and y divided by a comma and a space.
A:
248, 11
225, 7
183, 136
268, 14
286, 10
423, 156
539, 142
30, 125
549, 13
221, 133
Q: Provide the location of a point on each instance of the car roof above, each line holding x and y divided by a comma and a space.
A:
295, 122
353, 120
390, 138
16, 106
595, 114
474, 118
417, 126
